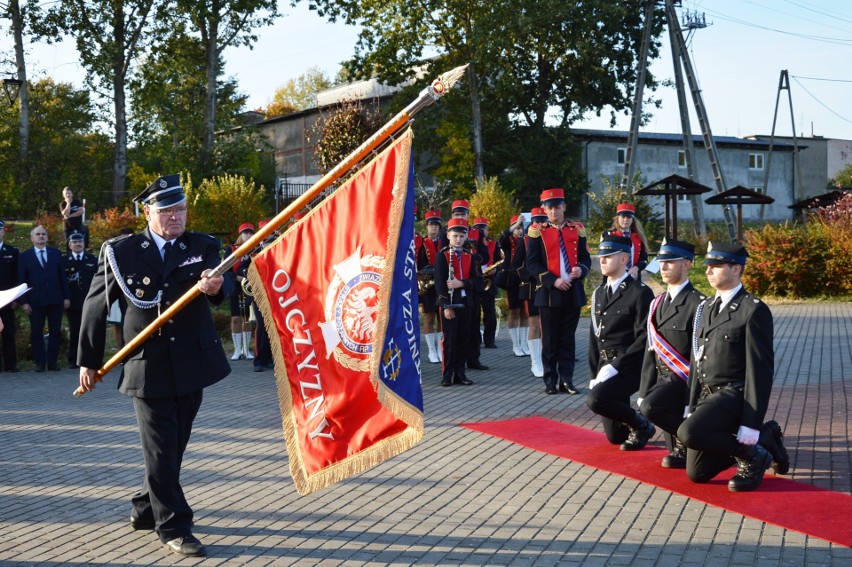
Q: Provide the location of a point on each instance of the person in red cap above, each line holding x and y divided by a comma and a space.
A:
526, 287
458, 277
241, 331
427, 253
489, 295
626, 224
558, 258
508, 279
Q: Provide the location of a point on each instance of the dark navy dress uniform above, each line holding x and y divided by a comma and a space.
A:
167, 374
618, 337
79, 272
8, 279
730, 382
664, 393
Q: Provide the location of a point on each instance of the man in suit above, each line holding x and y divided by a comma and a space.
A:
558, 258
165, 376
8, 279
664, 393
40, 267
80, 268
730, 376
617, 346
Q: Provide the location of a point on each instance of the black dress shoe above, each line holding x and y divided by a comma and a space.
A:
492, 345
568, 387
477, 366
463, 380
446, 383
39, 369
640, 436
52, 367
15, 369
773, 441
186, 545
141, 523
550, 390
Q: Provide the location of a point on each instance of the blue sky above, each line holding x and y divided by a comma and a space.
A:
738, 58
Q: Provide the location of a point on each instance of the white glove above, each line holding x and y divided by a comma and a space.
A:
686, 412
604, 374
639, 402
747, 435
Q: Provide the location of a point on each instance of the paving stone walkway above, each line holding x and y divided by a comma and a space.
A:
68, 467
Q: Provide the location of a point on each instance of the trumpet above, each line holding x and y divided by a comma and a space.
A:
425, 280
488, 272
246, 285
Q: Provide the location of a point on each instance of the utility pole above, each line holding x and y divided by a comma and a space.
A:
783, 84
681, 58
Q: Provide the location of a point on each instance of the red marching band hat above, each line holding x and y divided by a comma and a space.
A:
433, 216
245, 227
557, 195
628, 209
457, 224
481, 221
461, 204
514, 219
537, 214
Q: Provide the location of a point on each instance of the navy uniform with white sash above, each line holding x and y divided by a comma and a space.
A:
731, 372
167, 374
664, 391
617, 346
80, 268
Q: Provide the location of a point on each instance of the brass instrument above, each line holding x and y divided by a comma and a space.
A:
489, 272
246, 285
425, 280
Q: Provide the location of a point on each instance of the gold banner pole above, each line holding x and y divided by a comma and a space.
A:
427, 96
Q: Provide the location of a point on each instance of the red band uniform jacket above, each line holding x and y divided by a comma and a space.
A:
542, 261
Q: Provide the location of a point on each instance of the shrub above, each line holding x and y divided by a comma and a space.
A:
495, 204
109, 222
221, 204
55, 227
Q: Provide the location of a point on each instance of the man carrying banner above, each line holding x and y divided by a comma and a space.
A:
663, 392
617, 345
730, 380
166, 376
558, 258
458, 277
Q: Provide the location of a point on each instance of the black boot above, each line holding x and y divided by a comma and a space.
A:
568, 386
639, 435
676, 459
773, 441
752, 462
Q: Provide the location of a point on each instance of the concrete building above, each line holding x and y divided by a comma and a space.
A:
742, 162
820, 159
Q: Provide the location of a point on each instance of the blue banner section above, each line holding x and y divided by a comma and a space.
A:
400, 367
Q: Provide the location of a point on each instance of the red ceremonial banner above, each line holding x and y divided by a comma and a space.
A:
323, 288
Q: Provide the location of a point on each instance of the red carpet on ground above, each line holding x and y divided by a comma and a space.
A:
797, 506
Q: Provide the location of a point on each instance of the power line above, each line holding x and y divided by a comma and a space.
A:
822, 79
798, 82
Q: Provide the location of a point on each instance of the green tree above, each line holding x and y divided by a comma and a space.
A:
340, 131
110, 35
64, 149
842, 180
221, 24
299, 93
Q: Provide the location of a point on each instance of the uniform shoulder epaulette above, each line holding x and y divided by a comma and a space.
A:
534, 231
700, 295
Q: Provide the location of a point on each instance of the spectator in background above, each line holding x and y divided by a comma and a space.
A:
40, 267
80, 268
626, 224
8, 279
72, 212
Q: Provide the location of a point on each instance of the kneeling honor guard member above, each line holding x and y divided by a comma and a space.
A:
664, 391
731, 371
458, 276
617, 346
165, 376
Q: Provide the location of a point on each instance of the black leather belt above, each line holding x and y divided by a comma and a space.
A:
708, 390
